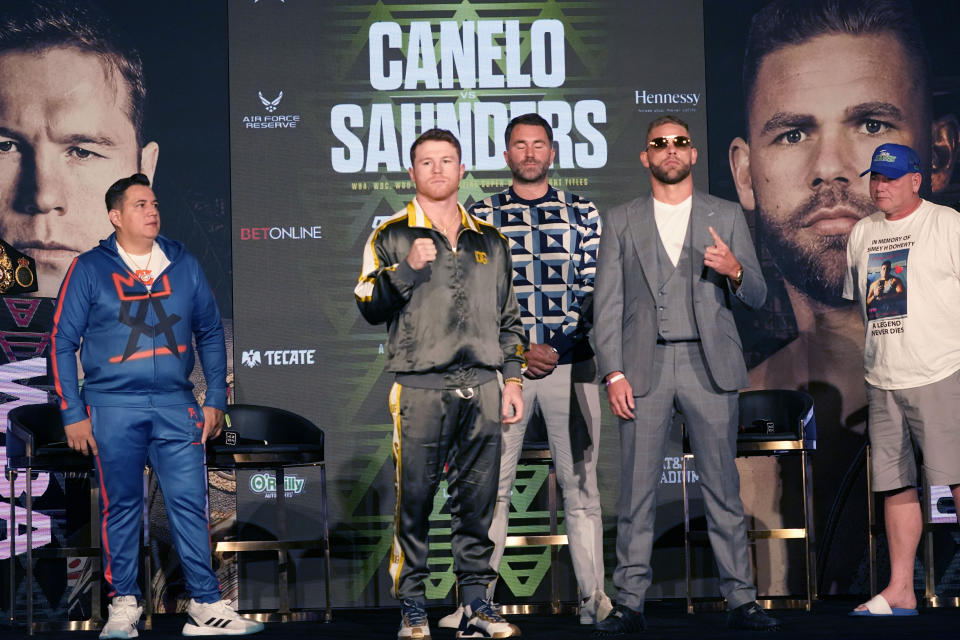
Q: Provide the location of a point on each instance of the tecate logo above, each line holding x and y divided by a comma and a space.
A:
282, 233
278, 357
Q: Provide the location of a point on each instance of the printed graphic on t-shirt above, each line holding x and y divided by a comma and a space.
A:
886, 282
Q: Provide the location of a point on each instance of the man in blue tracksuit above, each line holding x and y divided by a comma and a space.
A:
136, 301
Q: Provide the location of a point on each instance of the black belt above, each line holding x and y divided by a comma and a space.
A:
665, 341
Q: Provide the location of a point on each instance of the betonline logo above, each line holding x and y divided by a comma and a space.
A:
282, 233
271, 120
685, 101
278, 357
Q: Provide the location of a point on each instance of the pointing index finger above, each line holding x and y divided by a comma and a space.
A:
716, 238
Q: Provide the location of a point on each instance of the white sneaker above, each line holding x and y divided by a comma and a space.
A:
595, 608
481, 619
217, 619
122, 619
413, 621
451, 620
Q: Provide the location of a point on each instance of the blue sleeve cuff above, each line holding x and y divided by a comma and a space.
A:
216, 398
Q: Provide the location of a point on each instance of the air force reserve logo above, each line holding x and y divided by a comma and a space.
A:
270, 105
271, 120
250, 359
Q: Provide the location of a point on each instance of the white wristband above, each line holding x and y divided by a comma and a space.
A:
615, 378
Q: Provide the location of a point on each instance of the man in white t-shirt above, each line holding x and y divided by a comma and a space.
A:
903, 266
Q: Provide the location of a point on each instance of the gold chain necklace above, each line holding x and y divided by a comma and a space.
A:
143, 273
442, 228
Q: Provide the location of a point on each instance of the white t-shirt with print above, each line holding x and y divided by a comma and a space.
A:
906, 275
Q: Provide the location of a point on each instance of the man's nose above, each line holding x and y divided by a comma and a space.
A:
41, 187
833, 162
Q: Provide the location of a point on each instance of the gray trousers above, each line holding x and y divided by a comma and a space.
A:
573, 446
682, 384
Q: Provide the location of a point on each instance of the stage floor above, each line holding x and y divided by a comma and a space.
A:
665, 620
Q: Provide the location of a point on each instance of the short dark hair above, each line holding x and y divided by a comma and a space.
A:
788, 22
667, 119
36, 25
887, 264
441, 135
528, 118
118, 189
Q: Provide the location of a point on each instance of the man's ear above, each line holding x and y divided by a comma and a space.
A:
739, 156
148, 159
945, 150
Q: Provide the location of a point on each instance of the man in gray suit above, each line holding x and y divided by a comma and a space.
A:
669, 268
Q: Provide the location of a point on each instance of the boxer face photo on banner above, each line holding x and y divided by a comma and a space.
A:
67, 131
823, 83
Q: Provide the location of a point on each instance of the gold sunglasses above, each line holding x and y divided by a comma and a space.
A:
661, 142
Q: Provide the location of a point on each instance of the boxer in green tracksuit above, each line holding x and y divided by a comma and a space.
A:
443, 282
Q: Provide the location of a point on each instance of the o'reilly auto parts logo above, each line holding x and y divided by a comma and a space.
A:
666, 101
266, 484
270, 102
278, 357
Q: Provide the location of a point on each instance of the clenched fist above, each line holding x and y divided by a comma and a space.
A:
422, 253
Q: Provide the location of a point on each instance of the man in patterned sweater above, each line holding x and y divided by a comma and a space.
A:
554, 238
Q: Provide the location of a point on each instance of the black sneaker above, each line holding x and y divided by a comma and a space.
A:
751, 617
621, 621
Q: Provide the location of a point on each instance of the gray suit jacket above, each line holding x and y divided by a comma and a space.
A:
625, 327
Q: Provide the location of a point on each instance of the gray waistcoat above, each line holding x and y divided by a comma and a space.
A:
675, 316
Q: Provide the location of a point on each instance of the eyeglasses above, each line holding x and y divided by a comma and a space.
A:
680, 142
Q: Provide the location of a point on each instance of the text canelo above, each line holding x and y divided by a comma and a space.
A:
471, 57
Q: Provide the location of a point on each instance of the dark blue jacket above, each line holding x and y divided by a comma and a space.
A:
136, 349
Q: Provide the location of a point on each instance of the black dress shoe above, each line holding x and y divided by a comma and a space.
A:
751, 617
621, 621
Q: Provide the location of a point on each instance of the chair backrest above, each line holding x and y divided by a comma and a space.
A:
790, 411
272, 425
41, 421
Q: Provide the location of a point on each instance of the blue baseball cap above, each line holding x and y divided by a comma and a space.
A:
894, 161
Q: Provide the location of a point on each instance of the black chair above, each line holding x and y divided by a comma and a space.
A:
36, 443
266, 438
774, 422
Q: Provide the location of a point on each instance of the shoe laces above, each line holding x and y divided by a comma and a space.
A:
489, 610
220, 608
124, 612
414, 614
